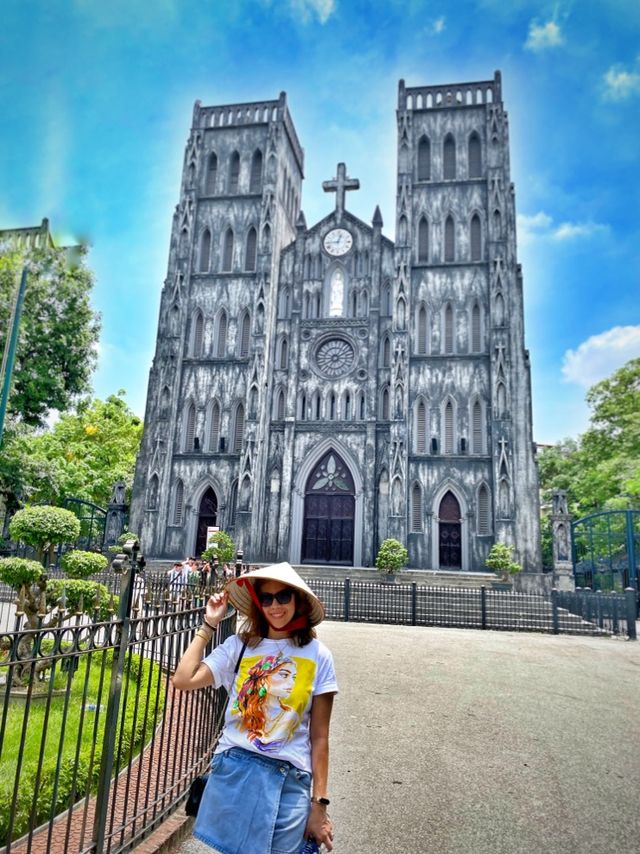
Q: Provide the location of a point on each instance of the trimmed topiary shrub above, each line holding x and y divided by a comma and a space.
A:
225, 551
18, 571
79, 564
500, 560
122, 539
94, 596
44, 526
392, 556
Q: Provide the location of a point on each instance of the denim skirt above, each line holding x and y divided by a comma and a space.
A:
253, 805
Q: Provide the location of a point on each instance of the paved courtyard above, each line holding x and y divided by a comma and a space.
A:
449, 741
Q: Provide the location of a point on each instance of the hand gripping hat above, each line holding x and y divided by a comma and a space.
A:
241, 593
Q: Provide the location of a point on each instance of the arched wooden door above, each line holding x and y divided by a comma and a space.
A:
207, 518
450, 533
329, 511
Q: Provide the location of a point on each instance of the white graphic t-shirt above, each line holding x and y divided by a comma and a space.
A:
270, 699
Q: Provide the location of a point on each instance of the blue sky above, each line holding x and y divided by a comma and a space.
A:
96, 101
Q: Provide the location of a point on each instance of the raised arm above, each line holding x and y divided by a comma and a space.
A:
191, 673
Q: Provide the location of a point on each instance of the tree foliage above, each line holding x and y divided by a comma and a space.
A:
79, 564
44, 526
56, 350
392, 556
225, 548
16, 571
500, 560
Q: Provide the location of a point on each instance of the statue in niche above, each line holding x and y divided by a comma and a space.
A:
562, 539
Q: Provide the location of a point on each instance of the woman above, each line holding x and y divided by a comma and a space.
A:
267, 792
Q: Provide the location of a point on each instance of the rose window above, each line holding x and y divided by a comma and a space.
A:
335, 357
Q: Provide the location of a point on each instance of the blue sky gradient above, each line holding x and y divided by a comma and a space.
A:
96, 101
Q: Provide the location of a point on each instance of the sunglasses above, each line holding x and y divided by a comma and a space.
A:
282, 597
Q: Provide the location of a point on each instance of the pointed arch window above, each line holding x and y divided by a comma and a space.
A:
449, 158
484, 518
302, 408
449, 437
476, 238
165, 399
152, 493
198, 330
233, 501
332, 407
221, 343
386, 352
189, 428
205, 251
448, 329
227, 253
386, 300
266, 238
477, 443
424, 159
347, 406
212, 174
353, 304
238, 429
245, 331
421, 428
283, 360
475, 156
384, 404
178, 503
253, 402
255, 183
499, 310
280, 406
361, 407
416, 508
423, 240
402, 231
449, 239
476, 329
501, 398
234, 172
250, 251
421, 331
214, 428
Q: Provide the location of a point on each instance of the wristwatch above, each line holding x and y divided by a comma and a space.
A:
323, 801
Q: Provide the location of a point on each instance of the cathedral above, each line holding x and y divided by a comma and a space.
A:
315, 390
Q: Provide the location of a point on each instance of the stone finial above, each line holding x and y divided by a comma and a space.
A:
377, 218
301, 222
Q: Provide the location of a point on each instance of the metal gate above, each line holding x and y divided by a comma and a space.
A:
606, 550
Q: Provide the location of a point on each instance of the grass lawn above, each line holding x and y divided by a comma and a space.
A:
68, 732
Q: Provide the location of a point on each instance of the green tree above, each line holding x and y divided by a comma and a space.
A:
56, 349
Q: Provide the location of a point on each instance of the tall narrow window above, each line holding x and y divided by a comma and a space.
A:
238, 429
152, 493
214, 428
501, 397
448, 329
499, 311
283, 361
198, 326
336, 293
189, 428
245, 330
386, 301
280, 406
476, 330
212, 174
205, 251
421, 428
255, 182
332, 408
424, 159
476, 435
361, 407
423, 241
234, 172
449, 240
178, 503
449, 158
448, 428
347, 407
227, 254
484, 523
386, 353
250, 251
221, 346
476, 238
475, 156
421, 332
384, 405
416, 508
233, 501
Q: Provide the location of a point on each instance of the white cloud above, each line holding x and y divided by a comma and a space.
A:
307, 9
540, 226
542, 36
600, 355
438, 25
620, 83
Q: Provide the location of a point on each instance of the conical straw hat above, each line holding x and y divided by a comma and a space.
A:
241, 599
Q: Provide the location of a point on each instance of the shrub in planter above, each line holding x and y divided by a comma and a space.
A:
19, 571
44, 527
225, 549
79, 564
500, 560
392, 556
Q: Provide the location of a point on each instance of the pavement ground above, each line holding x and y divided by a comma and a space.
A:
452, 741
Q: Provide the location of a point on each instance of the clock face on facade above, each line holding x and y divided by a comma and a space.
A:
338, 241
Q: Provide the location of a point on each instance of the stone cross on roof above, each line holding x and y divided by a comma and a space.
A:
340, 186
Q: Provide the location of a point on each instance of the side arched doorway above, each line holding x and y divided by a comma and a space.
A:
329, 513
450, 532
207, 518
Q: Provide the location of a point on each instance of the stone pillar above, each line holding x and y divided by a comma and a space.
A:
563, 578
117, 513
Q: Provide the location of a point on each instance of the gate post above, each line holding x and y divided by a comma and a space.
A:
347, 598
128, 568
555, 623
632, 612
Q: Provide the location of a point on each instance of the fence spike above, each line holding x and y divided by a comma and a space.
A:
80, 607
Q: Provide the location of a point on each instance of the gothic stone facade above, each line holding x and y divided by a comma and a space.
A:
316, 390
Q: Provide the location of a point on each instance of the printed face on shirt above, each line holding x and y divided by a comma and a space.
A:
283, 680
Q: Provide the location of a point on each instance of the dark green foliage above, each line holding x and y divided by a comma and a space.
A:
90, 595
225, 551
44, 526
17, 571
122, 539
79, 564
500, 560
392, 556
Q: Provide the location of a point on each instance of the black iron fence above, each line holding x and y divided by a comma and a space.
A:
612, 612
90, 723
474, 608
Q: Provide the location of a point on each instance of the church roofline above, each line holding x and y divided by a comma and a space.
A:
447, 95
346, 215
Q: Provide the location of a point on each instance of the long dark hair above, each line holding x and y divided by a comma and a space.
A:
255, 625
